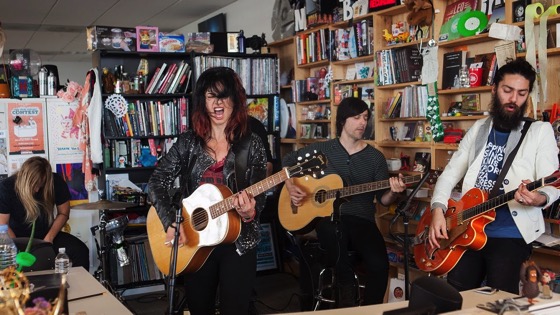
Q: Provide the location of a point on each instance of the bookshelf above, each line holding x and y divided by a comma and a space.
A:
382, 92
137, 130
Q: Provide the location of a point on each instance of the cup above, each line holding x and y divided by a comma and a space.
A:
475, 76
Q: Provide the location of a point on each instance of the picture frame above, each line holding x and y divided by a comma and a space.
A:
410, 131
232, 42
147, 38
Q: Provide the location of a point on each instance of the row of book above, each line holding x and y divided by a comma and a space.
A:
337, 44
136, 152
149, 118
412, 101
310, 89
352, 42
552, 212
257, 74
170, 78
141, 267
453, 62
313, 47
399, 65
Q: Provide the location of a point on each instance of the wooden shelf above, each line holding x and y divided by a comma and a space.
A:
549, 52
288, 140
353, 60
314, 64
314, 121
552, 19
398, 85
548, 251
475, 89
405, 144
314, 102
475, 39
355, 19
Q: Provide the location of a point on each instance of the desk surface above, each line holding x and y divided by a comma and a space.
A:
87, 295
470, 300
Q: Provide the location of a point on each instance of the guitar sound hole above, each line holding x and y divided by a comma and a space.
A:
199, 219
320, 196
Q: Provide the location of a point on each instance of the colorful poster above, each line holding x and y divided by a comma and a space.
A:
3, 154
266, 252
74, 178
258, 108
26, 128
63, 136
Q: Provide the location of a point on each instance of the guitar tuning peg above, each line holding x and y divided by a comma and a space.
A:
306, 154
306, 177
299, 158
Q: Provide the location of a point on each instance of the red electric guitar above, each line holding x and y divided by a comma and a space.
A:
466, 219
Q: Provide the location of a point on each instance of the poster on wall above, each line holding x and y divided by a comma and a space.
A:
258, 108
3, 155
26, 128
74, 178
63, 136
15, 161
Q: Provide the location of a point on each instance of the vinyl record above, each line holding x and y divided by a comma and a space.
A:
472, 23
284, 113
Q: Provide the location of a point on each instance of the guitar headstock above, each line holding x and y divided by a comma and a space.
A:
432, 176
553, 180
310, 164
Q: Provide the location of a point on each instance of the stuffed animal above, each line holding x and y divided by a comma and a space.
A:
421, 12
530, 275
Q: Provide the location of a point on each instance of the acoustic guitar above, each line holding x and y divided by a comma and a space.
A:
208, 220
320, 198
465, 219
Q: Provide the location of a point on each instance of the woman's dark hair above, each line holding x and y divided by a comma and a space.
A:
349, 107
518, 66
224, 83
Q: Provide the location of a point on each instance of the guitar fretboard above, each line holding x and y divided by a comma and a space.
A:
363, 188
227, 204
490, 204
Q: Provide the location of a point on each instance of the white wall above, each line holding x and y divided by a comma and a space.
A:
251, 16
74, 71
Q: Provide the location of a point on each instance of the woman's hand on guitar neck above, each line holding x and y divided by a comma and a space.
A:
170, 236
245, 206
296, 194
438, 227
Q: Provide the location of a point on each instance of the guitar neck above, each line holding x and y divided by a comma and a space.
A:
364, 188
496, 202
227, 204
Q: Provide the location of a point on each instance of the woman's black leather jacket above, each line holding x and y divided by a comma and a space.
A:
187, 161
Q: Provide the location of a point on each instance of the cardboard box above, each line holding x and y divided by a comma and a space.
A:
111, 38
171, 42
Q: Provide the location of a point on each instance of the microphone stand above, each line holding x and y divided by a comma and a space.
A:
402, 210
173, 265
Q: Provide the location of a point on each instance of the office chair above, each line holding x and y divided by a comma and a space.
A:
43, 251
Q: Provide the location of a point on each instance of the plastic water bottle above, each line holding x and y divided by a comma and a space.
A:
62, 261
8, 249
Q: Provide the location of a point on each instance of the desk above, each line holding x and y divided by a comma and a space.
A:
86, 294
470, 300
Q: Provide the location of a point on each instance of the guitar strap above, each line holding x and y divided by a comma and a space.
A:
241, 151
509, 160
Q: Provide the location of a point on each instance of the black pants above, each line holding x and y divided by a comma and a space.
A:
76, 250
235, 277
499, 262
363, 236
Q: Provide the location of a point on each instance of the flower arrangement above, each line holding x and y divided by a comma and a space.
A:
15, 290
71, 92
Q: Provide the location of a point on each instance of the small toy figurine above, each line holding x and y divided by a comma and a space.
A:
421, 12
545, 280
144, 39
529, 275
388, 36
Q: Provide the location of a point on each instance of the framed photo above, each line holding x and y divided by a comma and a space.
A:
232, 42
147, 38
409, 130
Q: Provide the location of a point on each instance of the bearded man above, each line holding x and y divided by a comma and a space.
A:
478, 161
